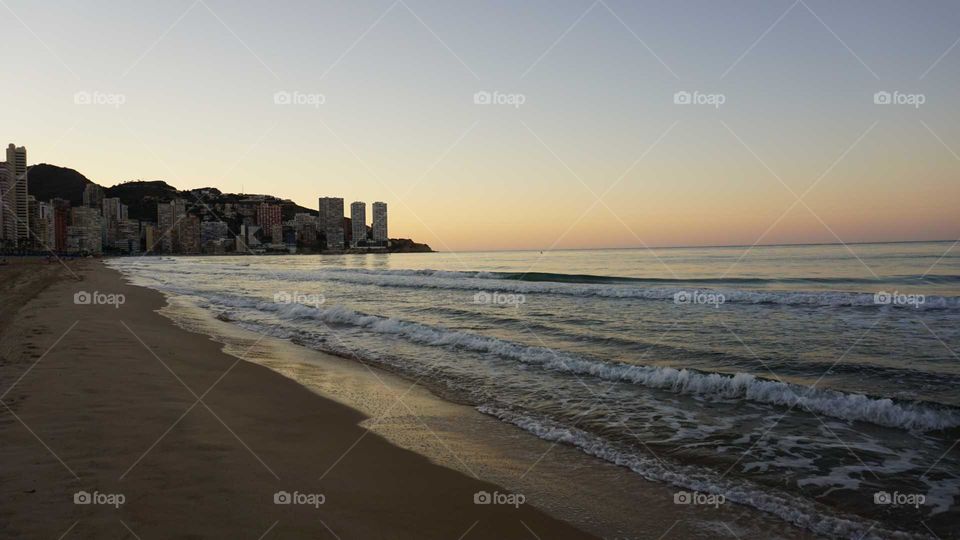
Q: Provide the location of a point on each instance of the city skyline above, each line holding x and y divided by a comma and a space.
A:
565, 127
14, 193
192, 222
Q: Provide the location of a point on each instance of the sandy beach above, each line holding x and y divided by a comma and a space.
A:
173, 438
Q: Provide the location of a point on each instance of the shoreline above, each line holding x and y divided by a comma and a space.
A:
593, 494
112, 408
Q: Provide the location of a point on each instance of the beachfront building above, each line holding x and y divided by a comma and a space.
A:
268, 216
189, 233
379, 224
151, 238
43, 225
305, 228
331, 221
4, 200
211, 231
113, 212
61, 219
41, 222
127, 236
358, 222
170, 217
16, 207
83, 234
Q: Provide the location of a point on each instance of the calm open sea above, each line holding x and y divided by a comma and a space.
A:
816, 383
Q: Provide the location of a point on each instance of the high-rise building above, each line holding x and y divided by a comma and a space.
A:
151, 238
211, 231
358, 224
61, 219
379, 225
127, 237
305, 226
83, 234
331, 221
114, 213
4, 202
189, 234
268, 215
38, 227
170, 217
92, 196
44, 226
33, 214
113, 209
17, 228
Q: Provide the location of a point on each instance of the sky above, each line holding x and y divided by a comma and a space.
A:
541, 124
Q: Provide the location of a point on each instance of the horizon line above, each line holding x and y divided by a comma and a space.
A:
797, 244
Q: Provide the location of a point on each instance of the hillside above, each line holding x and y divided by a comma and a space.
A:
141, 197
49, 181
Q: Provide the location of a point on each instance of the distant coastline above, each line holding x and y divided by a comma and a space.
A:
65, 213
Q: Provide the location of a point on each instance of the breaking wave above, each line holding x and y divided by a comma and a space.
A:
609, 287
826, 402
792, 509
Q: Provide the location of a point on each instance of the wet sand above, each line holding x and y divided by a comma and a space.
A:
119, 402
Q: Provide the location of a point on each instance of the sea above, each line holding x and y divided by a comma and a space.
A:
818, 384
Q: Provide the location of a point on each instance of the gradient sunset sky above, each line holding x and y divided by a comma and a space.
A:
598, 154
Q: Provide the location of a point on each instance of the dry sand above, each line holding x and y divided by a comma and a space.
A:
119, 400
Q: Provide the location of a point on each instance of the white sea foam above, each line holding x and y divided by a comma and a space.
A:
884, 412
795, 510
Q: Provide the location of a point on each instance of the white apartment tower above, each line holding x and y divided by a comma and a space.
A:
358, 223
4, 202
331, 221
17, 221
380, 224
